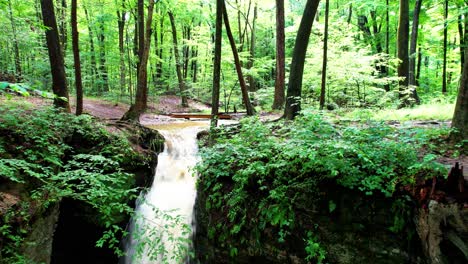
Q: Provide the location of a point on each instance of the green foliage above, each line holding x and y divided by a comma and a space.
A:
55, 155
313, 249
23, 89
259, 178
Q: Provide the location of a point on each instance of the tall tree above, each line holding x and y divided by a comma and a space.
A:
460, 116
178, 63
15, 41
217, 63
102, 57
141, 96
250, 77
444, 67
293, 97
93, 64
413, 44
121, 25
57, 67
325, 51
245, 94
76, 59
402, 46
278, 102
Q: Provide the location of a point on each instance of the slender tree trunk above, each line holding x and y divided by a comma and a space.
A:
350, 13
245, 93
76, 58
15, 41
194, 64
293, 97
250, 78
403, 34
141, 97
92, 49
161, 39
418, 69
444, 67
387, 29
414, 41
325, 50
177, 62
59, 82
141, 30
63, 26
278, 102
217, 63
102, 58
121, 26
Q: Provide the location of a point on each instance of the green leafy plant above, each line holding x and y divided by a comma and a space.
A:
260, 177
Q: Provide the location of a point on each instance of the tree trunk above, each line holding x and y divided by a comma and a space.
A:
141, 97
278, 102
15, 41
418, 69
180, 78
293, 98
63, 26
57, 67
412, 52
121, 26
141, 29
245, 94
403, 34
76, 59
444, 67
250, 78
217, 63
325, 50
102, 58
91, 47
460, 116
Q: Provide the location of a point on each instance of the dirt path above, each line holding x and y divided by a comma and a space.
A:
156, 114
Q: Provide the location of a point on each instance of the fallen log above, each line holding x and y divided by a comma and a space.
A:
188, 116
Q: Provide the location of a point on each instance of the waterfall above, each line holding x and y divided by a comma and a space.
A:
161, 232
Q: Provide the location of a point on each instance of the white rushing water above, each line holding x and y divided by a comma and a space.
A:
160, 232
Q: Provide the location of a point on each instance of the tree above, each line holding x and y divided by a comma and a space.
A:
180, 77
76, 59
293, 97
278, 102
15, 40
245, 94
217, 63
141, 96
121, 24
407, 96
413, 43
460, 116
444, 67
325, 51
57, 67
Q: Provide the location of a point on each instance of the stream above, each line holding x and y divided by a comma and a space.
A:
161, 231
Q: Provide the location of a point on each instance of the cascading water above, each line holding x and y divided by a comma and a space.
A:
160, 232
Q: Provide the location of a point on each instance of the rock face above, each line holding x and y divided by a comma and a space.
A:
356, 231
443, 229
38, 244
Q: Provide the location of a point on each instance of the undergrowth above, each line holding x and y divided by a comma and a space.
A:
260, 177
51, 155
